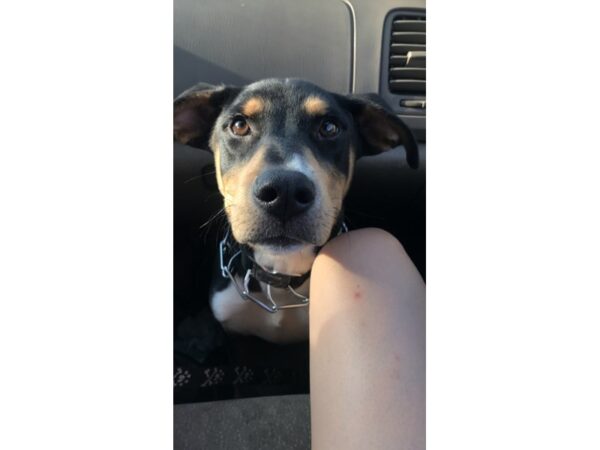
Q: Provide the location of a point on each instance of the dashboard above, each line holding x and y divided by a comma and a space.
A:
340, 45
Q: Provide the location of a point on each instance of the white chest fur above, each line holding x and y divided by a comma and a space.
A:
245, 317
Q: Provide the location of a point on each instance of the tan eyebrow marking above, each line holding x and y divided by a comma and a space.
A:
315, 105
253, 106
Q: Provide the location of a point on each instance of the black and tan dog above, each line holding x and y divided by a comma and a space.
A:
284, 153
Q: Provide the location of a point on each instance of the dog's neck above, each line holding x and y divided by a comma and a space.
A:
296, 261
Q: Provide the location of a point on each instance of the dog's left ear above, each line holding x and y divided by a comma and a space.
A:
379, 128
196, 110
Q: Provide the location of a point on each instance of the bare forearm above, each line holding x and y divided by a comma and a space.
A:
367, 344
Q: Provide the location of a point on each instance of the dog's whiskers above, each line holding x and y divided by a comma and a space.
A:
213, 217
189, 180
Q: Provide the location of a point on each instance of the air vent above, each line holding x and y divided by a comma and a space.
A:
407, 55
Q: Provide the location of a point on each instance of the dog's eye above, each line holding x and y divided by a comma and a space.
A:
239, 126
329, 129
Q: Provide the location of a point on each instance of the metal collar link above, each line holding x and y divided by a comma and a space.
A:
225, 249
227, 256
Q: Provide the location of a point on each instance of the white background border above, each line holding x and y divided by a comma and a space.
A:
86, 228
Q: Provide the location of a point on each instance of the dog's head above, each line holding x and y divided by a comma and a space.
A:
284, 154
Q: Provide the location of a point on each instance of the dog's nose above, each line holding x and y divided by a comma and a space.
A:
284, 193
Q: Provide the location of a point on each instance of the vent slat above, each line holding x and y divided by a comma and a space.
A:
409, 25
414, 17
408, 38
403, 49
415, 63
398, 60
407, 71
407, 86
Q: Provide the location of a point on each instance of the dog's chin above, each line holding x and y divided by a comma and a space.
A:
281, 243
282, 237
284, 255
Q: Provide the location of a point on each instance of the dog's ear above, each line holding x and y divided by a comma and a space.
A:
195, 112
379, 128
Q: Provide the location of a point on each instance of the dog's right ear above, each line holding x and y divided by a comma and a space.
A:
379, 128
195, 112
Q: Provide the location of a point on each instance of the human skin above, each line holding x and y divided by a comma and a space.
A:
367, 345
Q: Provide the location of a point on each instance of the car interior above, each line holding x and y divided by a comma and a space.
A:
238, 391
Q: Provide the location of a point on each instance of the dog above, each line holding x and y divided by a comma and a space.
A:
284, 152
